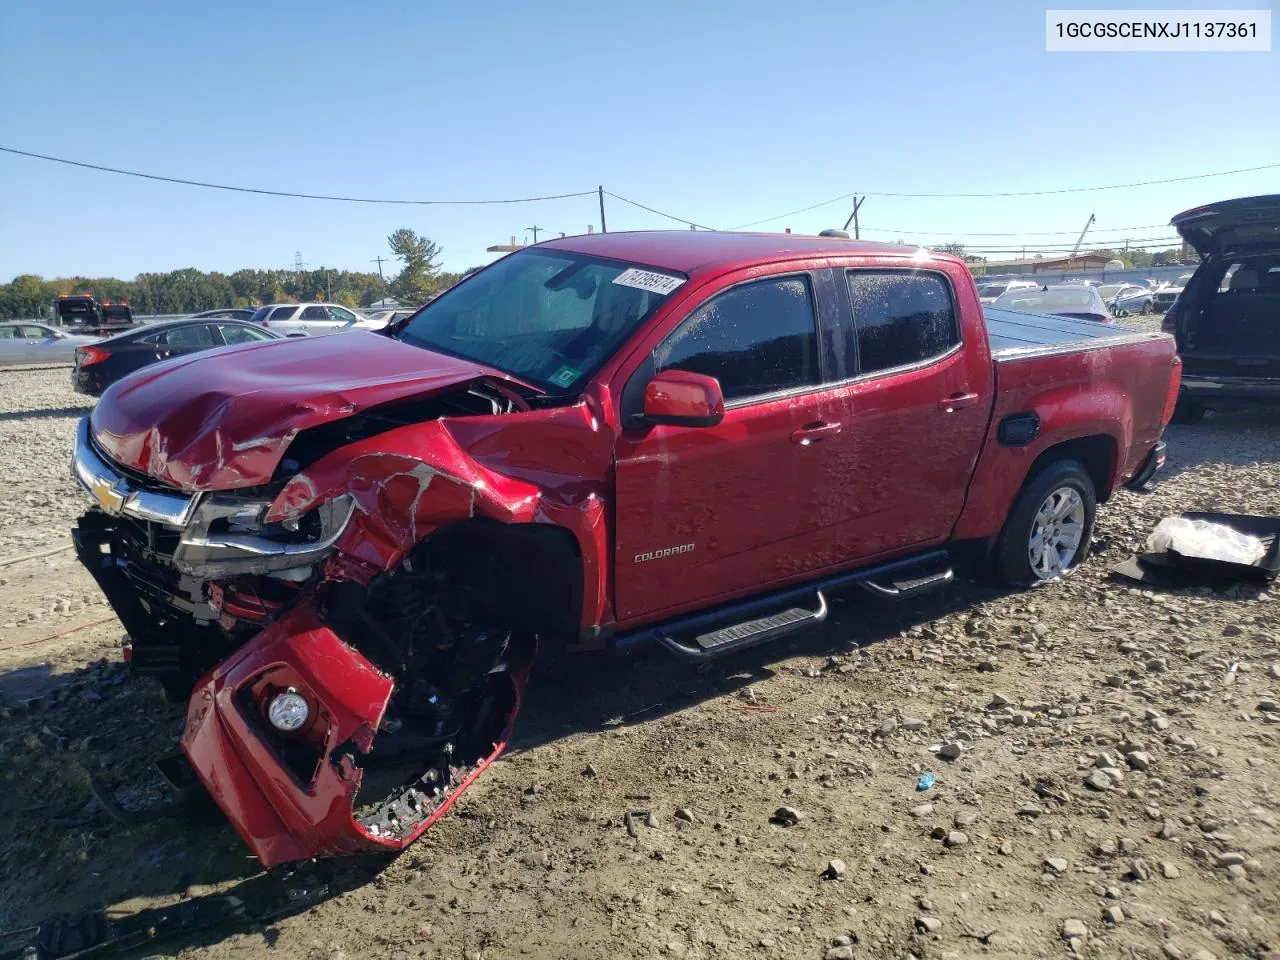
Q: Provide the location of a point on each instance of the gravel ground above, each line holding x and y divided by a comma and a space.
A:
1111, 791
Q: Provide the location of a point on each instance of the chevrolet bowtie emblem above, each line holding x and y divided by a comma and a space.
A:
105, 492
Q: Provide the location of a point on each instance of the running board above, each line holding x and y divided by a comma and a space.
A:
904, 588
905, 577
748, 633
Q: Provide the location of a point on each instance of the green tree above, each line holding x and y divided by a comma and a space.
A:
420, 276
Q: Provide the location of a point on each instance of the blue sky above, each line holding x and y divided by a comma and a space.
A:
718, 113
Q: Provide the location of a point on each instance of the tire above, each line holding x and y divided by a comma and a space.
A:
1188, 411
1061, 498
1146, 307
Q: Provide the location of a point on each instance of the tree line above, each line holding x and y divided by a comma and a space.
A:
189, 290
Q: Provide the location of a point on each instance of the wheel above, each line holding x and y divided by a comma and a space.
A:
1188, 411
1046, 535
1146, 307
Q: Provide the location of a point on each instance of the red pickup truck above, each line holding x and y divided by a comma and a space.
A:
346, 552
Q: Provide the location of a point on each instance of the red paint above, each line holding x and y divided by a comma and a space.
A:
279, 817
666, 518
221, 420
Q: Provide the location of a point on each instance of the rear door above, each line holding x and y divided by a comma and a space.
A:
706, 512
913, 416
284, 320
180, 341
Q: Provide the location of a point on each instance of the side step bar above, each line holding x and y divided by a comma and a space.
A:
756, 620
748, 633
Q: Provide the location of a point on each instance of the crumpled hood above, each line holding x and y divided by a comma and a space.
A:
223, 419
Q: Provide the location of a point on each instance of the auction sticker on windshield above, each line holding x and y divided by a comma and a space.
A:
648, 280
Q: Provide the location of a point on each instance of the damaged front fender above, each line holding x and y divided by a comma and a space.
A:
294, 794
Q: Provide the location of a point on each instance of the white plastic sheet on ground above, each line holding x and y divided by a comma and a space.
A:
1208, 541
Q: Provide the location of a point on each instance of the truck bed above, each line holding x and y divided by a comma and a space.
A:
1016, 335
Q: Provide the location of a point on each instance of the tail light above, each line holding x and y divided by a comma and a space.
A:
87, 356
1169, 324
1171, 400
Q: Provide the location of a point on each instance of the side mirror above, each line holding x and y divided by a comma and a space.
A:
683, 399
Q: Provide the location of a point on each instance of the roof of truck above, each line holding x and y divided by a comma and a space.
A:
688, 250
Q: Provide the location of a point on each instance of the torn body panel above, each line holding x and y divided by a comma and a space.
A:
282, 812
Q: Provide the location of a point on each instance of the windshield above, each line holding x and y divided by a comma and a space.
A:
545, 316
992, 289
115, 312
1111, 289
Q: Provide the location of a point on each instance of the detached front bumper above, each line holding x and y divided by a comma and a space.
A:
282, 812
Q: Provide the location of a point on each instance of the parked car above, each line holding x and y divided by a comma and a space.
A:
1167, 293
988, 290
1077, 300
1123, 299
100, 364
25, 343
311, 319
347, 547
233, 313
1227, 319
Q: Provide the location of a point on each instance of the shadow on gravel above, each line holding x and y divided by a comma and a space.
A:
66, 855
606, 693
45, 414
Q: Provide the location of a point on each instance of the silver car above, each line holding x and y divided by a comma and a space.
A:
24, 342
311, 319
1126, 298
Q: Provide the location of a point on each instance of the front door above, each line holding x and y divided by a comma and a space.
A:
705, 512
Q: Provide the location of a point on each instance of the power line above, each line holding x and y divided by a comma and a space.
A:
283, 193
1014, 193
1025, 233
658, 212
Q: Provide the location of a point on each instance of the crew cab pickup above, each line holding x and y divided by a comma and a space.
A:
345, 552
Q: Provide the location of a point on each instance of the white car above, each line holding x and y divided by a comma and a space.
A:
988, 290
311, 319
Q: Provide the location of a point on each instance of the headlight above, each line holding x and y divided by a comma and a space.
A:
227, 537
288, 711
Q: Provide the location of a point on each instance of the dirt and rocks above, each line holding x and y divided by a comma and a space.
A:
1102, 759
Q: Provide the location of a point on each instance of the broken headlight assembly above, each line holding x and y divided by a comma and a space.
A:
228, 536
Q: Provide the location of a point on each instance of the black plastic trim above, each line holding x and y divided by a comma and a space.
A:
1018, 429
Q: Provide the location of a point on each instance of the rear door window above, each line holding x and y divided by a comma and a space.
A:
757, 339
200, 335
280, 314
901, 318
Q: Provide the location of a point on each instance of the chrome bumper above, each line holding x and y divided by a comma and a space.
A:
112, 491
198, 552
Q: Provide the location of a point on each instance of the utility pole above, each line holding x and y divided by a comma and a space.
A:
379, 261
328, 287
535, 230
853, 217
600, 194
